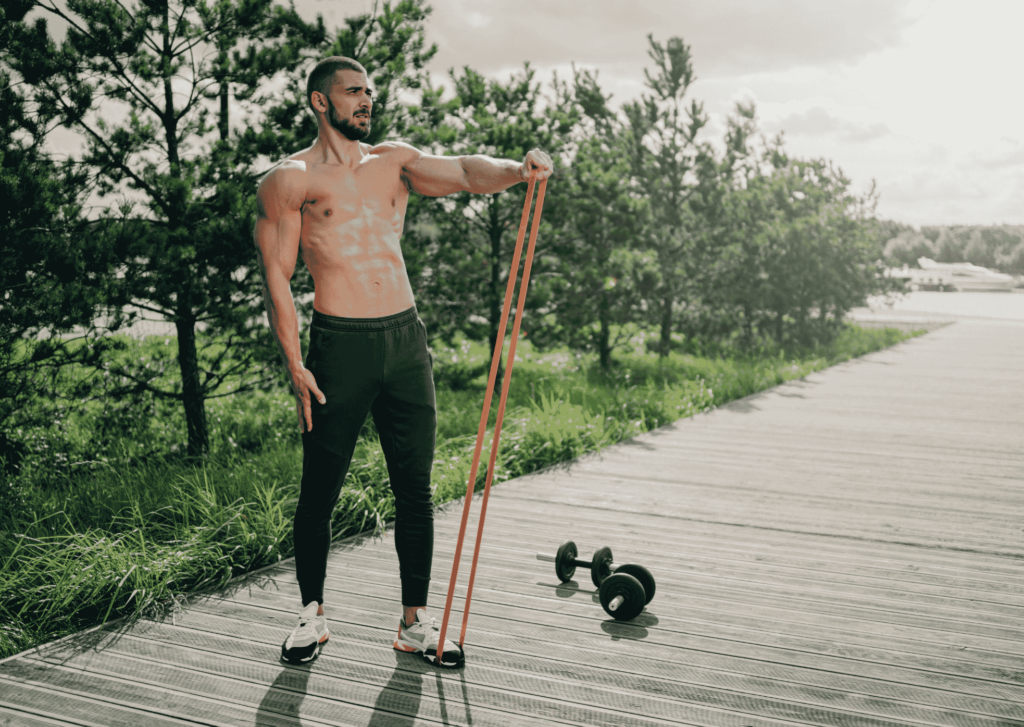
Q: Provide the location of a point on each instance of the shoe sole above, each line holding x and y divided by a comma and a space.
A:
313, 655
430, 655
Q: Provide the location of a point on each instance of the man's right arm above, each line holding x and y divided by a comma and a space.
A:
279, 203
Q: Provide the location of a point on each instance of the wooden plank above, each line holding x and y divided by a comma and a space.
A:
688, 612
813, 480
725, 537
768, 511
595, 686
642, 640
830, 516
74, 706
212, 654
961, 656
11, 717
713, 445
276, 706
750, 544
405, 691
503, 544
821, 479
983, 619
708, 556
739, 543
825, 479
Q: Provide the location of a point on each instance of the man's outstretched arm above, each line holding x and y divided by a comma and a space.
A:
278, 228
436, 176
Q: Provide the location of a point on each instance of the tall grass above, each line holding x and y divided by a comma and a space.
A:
98, 526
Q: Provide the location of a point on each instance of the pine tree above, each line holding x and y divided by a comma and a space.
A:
666, 155
52, 284
152, 87
601, 269
470, 237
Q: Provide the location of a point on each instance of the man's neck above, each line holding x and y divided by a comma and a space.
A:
332, 147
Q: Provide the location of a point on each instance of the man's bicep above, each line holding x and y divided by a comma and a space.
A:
277, 244
278, 226
436, 176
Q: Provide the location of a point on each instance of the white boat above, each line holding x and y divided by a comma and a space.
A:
953, 276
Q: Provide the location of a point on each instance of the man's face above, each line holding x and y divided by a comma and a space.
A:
349, 102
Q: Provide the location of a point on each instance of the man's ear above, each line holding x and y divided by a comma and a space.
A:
319, 102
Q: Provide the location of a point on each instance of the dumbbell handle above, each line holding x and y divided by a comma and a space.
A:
615, 603
576, 561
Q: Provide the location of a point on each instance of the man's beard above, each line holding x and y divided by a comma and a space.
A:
346, 128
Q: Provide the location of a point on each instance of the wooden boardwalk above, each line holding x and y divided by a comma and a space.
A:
841, 550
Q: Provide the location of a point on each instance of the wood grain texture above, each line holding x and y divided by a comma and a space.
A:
846, 549
10, 717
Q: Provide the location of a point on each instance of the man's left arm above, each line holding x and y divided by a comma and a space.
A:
436, 176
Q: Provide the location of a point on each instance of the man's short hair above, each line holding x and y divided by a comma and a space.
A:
322, 75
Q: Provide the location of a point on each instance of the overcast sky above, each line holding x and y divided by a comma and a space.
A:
923, 96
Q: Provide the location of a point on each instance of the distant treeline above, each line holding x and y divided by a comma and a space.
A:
652, 231
998, 248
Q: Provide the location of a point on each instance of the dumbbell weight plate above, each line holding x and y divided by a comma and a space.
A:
641, 574
565, 561
633, 597
601, 566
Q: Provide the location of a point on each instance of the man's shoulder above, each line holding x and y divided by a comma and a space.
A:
398, 151
286, 178
288, 166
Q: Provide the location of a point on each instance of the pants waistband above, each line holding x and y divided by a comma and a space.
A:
336, 323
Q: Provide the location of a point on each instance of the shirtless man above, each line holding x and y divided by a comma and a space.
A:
342, 203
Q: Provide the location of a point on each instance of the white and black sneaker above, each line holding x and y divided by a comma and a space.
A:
421, 636
308, 638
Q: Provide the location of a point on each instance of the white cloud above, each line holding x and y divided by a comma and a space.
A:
728, 36
1006, 152
818, 121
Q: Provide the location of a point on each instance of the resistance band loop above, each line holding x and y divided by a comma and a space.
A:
495, 361
504, 397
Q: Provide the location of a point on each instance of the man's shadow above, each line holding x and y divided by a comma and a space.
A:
284, 697
398, 703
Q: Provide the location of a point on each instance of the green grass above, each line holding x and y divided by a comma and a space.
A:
107, 518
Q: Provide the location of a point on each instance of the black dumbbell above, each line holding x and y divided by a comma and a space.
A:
622, 596
566, 563
624, 589
641, 574
625, 593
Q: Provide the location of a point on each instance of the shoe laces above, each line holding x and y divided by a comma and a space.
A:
433, 633
306, 628
423, 627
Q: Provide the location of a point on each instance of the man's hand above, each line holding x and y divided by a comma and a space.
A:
536, 161
303, 382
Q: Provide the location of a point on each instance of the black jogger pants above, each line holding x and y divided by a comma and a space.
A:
381, 366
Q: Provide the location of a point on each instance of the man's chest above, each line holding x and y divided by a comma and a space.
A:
336, 195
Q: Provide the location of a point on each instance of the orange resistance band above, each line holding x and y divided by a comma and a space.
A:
495, 360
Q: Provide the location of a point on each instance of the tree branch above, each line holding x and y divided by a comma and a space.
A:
61, 14
120, 165
120, 69
243, 388
144, 384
